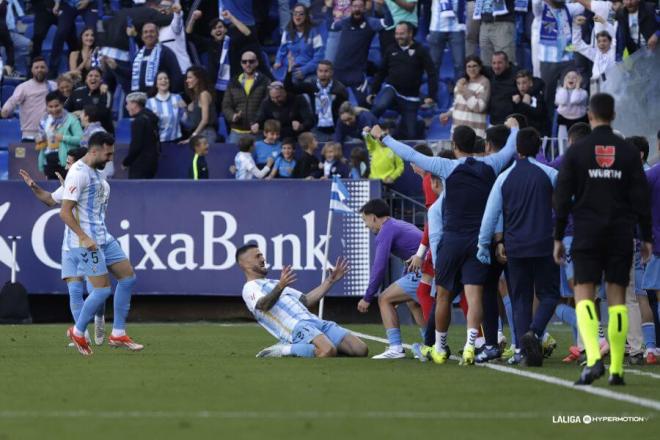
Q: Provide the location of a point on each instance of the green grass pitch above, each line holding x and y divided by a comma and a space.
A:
199, 381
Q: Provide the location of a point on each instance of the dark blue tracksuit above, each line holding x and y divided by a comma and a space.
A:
522, 195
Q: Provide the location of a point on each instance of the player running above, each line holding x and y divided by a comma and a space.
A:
92, 249
284, 311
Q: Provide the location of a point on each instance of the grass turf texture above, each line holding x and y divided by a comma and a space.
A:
202, 381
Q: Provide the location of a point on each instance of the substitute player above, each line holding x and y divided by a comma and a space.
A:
93, 250
602, 184
283, 311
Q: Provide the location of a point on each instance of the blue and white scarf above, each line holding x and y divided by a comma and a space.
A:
323, 103
521, 5
152, 67
551, 26
222, 80
447, 10
494, 7
11, 18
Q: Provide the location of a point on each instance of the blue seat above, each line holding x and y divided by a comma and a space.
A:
10, 132
222, 127
6, 91
438, 131
123, 131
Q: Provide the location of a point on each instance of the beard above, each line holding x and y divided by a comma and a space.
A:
40, 77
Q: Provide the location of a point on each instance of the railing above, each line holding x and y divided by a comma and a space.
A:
403, 207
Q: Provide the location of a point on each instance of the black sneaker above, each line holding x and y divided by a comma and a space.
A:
532, 349
589, 374
616, 379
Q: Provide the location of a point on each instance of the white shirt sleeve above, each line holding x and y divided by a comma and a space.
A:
57, 195
251, 294
74, 185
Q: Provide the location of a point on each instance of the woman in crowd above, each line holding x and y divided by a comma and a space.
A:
169, 107
83, 59
201, 115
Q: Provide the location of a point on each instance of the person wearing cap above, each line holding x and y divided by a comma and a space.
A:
292, 111
144, 149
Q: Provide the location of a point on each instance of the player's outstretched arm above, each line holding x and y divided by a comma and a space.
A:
313, 297
267, 302
41, 194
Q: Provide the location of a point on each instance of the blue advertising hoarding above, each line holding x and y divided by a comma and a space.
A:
181, 235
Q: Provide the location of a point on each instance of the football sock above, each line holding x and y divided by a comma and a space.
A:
617, 330
122, 301
566, 314
302, 350
508, 308
425, 299
601, 332
101, 311
394, 338
75, 298
471, 337
648, 330
440, 341
90, 306
587, 322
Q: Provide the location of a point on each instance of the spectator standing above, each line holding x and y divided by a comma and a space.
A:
270, 146
6, 41
471, 97
169, 107
199, 169
497, 32
448, 27
244, 166
202, 118
243, 97
44, 18
144, 150
529, 103
293, 112
351, 121
398, 81
90, 119
59, 132
338, 10
334, 163
285, 163
86, 57
571, 100
639, 26
67, 11
384, 164
359, 163
325, 95
307, 167
400, 11
151, 59
173, 35
502, 76
65, 87
603, 56
303, 41
19, 41
31, 97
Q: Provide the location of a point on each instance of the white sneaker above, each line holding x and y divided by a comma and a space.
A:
99, 329
390, 354
274, 351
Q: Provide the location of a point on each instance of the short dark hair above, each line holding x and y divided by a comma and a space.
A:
641, 143
408, 25
327, 63
500, 53
464, 138
196, 140
528, 142
243, 249
601, 106
289, 141
522, 119
77, 153
604, 34
52, 96
578, 131
92, 112
424, 149
245, 143
377, 207
99, 139
447, 154
524, 74
480, 145
497, 135
38, 59
272, 126
214, 22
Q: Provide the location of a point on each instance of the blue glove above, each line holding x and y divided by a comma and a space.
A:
483, 254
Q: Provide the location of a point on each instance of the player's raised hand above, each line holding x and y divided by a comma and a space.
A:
287, 277
341, 269
26, 178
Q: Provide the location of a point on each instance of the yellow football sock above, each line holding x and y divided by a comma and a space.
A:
617, 330
587, 322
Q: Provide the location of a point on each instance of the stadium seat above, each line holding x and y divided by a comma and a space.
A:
4, 164
6, 91
123, 131
10, 132
438, 131
222, 127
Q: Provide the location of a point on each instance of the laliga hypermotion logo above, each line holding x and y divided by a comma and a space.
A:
605, 155
5, 249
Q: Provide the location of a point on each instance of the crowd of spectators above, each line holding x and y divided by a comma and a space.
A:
213, 69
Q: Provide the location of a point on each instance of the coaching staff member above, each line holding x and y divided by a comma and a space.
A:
601, 183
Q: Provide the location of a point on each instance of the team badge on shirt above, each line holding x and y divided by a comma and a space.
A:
605, 155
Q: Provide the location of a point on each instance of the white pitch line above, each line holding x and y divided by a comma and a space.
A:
279, 415
635, 400
641, 373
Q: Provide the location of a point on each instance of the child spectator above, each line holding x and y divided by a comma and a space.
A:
528, 103
244, 166
334, 162
571, 100
199, 169
270, 146
385, 165
359, 163
285, 162
308, 165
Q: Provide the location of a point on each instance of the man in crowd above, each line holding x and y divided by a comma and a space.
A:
143, 152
